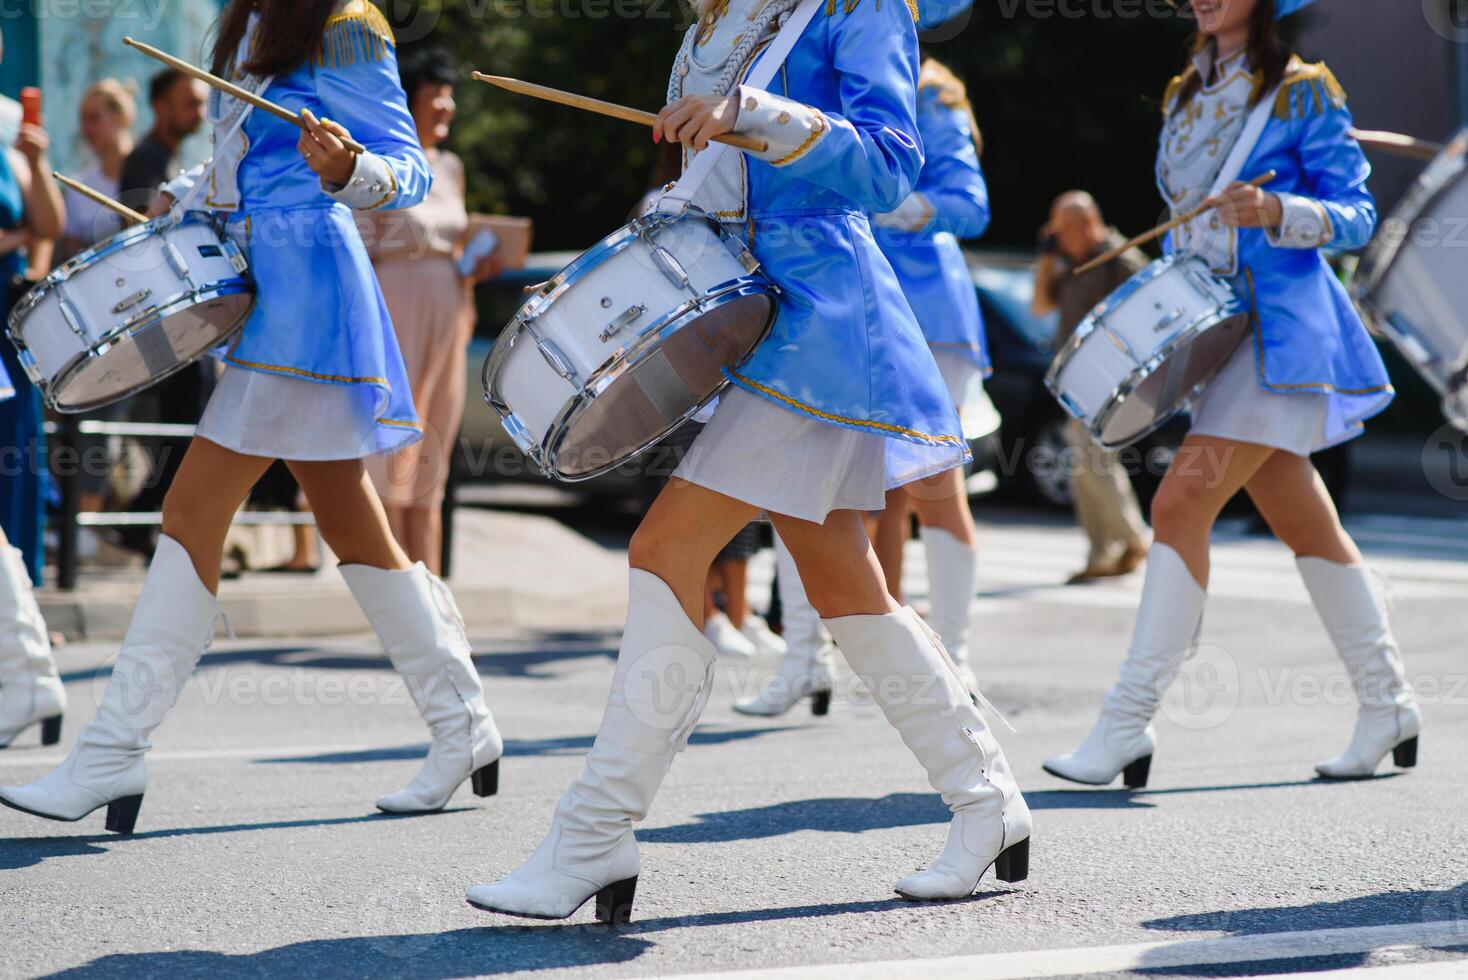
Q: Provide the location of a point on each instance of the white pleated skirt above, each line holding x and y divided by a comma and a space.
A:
256, 413
784, 462
1237, 407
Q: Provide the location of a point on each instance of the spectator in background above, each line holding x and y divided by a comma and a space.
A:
31, 209
178, 103
108, 111
430, 297
1105, 503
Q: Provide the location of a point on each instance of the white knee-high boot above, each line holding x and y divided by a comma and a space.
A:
805, 670
661, 684
1168, 621
1355, 615
171, 628
30, 687
415, 616
953, 569
903, 663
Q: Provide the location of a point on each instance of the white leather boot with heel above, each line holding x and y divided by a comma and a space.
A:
31, 692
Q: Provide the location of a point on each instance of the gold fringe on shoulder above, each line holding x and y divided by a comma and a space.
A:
1309, 90
952, 94
358, 32
848, 6
1173, 88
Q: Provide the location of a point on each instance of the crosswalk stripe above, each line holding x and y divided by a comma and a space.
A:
1165, 955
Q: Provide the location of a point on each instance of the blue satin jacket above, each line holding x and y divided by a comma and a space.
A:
951, 203
1309, 337
841, 127
320, 315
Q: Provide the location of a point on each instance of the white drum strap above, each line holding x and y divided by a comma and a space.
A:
702, 168
1233, 167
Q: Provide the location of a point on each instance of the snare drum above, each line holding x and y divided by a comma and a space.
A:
1148, 350
1411, 284
627, 343
130, 311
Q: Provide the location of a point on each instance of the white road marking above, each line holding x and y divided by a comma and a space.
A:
1081, 961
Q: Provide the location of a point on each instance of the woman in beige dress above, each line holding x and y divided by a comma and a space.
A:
416, 252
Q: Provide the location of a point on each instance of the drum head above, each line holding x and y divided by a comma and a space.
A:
658, 387
1166, 390
131, 361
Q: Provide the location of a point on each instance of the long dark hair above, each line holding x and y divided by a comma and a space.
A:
289, 33
1268, 54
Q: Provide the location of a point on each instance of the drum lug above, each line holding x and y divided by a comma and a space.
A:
176, 262
73, 317
235, 255
670, 267
557, 360
631, 316
522, 439
1169, 321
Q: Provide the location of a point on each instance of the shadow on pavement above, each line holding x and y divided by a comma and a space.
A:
577, 745
24, 852
1398, 908
428, 956
523, 659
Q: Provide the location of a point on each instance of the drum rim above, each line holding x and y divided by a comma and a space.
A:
1435, 180
1135, 379
1233, 309
615, 243
642, 348
216, 290
87, 257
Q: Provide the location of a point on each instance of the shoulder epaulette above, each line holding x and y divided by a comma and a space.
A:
1173, 88
847, 6
1308, 90
358, 32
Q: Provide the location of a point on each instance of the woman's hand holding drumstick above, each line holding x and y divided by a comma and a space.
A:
1240, 205
323, 146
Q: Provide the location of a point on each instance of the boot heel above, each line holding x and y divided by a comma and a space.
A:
1135, 775
1405, 755
614, 902
51, 731
122, 815
1013, 863
486, 781
820, 704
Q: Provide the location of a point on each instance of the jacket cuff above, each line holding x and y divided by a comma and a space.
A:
914, 214
1305, 224
183, 183
371, 186
792, 129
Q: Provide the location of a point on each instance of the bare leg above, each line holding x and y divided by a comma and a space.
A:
1292, 498
420, 531
1203, 478
838, 565
889, 536
686, 527
942, 502
210, 486
736, 598
349, 513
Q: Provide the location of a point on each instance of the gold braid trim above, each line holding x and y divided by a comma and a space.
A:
1173, 88
356, 33
850, 5
1309, 90
772, 394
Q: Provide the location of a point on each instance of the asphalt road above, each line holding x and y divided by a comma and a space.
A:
774, 844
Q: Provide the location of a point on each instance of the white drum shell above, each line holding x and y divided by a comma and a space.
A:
596, 311
120, 286
1132, 335
1412, 285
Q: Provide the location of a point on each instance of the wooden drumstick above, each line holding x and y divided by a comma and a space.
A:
625, 113
102, 199
243, 94
1397, 143
1163, 229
